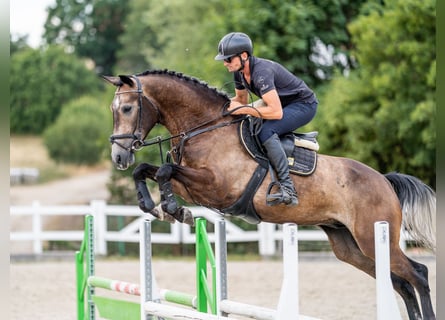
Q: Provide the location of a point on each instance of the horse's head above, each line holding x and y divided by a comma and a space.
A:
134, 115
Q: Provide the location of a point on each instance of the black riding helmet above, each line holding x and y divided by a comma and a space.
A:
232, 44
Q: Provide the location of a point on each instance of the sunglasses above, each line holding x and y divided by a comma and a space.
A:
229, 59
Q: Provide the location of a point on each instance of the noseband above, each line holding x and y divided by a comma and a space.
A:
138, 141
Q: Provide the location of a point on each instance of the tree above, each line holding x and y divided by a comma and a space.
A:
17, 43
172, 35
90, 28
292, 32
383, 114
41, 82
79, 135
131, 57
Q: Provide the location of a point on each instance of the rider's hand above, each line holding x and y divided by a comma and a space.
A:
233, 105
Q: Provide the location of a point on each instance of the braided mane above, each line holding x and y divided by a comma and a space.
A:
187, 78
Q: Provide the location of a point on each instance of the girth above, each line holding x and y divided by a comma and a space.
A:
243, 208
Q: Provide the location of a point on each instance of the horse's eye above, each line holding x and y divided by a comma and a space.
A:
126, 109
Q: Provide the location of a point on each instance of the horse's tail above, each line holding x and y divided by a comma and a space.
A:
418, 202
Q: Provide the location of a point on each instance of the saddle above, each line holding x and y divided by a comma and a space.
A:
301, 150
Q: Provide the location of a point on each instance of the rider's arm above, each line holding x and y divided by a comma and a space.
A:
241, 96
271, 109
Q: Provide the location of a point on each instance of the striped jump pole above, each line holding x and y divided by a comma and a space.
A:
134, 289
114, 285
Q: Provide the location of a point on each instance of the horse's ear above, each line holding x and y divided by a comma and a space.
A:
113, 80
126, 80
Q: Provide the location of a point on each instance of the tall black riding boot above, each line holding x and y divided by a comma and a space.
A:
277, 157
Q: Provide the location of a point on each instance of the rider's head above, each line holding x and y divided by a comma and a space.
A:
234, 44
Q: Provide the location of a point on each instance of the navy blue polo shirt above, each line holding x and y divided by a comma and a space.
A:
266, 75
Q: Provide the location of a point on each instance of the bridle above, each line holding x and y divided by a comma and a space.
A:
138, 141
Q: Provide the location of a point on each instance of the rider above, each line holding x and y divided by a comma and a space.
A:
287, 103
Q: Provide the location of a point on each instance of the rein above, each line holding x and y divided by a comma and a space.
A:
187, 135
196, 131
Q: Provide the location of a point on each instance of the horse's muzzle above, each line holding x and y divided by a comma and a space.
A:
122, 159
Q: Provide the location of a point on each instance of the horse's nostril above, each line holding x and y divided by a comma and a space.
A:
118, 159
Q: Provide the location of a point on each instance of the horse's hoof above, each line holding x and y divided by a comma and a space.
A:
161, 215
187, 217
184, 215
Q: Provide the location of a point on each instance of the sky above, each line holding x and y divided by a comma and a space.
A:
28, 17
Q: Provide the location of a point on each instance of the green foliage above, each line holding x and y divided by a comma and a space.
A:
41, 82
79, 135
294, 33
89, 27
17, 43
384, 113
178, 37
172, 35
131, 57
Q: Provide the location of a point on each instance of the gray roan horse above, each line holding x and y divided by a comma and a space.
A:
210, 167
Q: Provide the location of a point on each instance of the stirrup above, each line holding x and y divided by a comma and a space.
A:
285, 196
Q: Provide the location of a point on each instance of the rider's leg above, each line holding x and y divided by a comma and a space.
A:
277, 157
295, 115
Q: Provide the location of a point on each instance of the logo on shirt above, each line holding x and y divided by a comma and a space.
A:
263, 86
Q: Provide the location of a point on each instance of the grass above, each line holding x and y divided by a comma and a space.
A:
30, 152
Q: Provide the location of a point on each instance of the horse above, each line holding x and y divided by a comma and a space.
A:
208, 166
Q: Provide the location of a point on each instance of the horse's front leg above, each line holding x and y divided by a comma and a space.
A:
163, 176
140, 173
168, 201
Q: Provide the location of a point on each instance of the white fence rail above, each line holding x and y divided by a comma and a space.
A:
266, 234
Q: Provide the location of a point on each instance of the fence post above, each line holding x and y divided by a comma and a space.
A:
266, 239
37, 228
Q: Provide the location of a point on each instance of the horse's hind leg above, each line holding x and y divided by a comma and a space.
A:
346, 249
423, 289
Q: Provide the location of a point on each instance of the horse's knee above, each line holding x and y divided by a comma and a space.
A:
164, 173
143, 171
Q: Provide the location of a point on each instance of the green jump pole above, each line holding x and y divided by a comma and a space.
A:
84, 260
206, 295
179, 298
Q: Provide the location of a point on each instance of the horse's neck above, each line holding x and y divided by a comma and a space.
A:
182, 108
